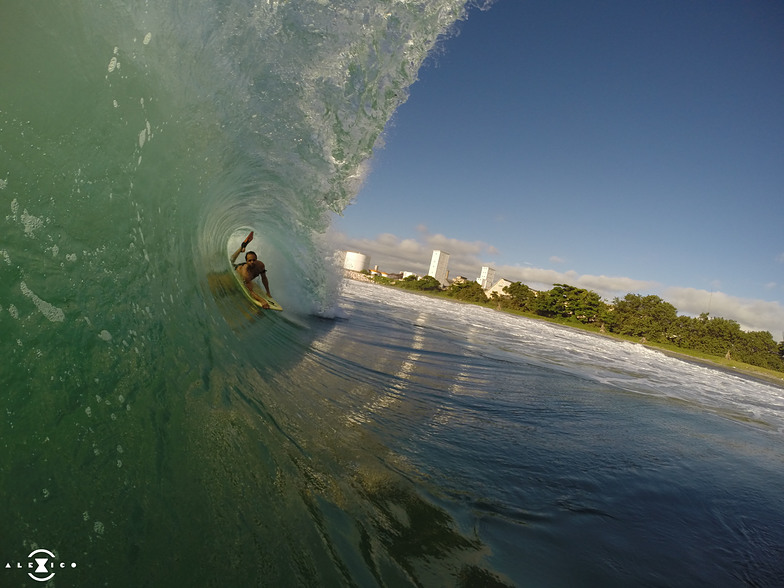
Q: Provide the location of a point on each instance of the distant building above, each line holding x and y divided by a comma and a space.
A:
377, 272
356, 262
498, 287
438, 266
486, 278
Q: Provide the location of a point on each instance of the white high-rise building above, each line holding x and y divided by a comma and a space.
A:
486, 278
355, 261
438, 266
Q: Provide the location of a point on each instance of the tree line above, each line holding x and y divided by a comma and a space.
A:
648, 318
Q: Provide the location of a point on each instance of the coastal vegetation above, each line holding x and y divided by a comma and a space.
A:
647, 319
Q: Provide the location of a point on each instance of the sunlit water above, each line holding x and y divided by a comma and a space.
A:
577, 460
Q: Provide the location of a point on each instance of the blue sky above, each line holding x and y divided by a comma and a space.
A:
620, 146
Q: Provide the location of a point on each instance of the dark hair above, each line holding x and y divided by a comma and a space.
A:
248, 253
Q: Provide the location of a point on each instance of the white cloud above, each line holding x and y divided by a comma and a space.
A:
387, 251
606, 286
616, 285
556, 259
455, 246
393, 254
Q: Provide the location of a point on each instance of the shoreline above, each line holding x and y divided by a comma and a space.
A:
738, 368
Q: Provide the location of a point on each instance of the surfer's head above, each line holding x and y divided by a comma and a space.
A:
251, 256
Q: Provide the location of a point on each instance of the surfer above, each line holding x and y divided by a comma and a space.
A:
252, 268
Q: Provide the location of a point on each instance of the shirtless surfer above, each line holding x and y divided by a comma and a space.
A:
250, 269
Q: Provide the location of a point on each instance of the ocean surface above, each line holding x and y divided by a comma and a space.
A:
158, 430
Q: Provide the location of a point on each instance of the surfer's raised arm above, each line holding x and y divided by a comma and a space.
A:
247, 240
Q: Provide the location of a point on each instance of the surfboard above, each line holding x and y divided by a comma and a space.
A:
259, 290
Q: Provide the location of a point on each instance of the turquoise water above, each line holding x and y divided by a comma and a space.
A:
158, 431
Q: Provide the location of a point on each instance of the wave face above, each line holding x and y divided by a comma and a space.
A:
147, 134
147, 412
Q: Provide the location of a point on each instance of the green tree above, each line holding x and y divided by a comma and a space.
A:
586, 305
382, 280
757, 348
719, 336
517, 296
642, 316
550, 303
686, 332
469, 291
570, 302
428, 283
409, 283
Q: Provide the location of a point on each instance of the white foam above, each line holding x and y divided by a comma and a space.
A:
619, 364
50, 311
31, 223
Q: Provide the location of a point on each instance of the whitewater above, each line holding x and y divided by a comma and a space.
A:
157, 430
